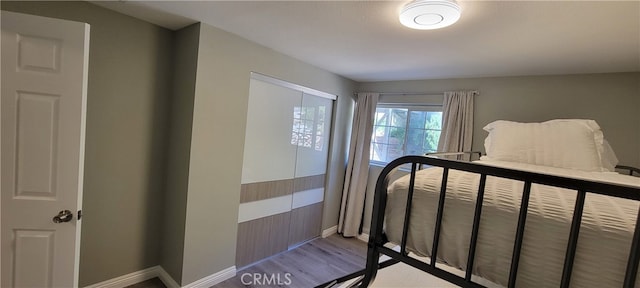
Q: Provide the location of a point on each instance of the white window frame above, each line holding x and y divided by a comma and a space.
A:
410, 107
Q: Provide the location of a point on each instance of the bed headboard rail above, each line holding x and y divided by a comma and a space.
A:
377, 238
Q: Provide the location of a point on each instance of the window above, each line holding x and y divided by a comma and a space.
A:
404, 130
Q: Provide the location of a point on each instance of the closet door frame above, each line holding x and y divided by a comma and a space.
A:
306, 90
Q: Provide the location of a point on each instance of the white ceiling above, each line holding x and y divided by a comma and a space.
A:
363, 40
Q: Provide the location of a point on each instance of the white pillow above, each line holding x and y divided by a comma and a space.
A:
608, 157
564, 143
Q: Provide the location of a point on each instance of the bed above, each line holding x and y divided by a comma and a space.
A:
544, 208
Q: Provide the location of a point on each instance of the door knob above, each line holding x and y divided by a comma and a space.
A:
63, 216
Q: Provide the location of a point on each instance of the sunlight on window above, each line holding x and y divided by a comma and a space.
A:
404, 131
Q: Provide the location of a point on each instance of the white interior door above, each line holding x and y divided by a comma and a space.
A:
44, 84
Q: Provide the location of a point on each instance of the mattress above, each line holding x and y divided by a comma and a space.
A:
603, 244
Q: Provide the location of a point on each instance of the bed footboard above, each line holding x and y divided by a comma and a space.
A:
377, 237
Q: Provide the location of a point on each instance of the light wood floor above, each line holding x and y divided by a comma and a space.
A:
311, 264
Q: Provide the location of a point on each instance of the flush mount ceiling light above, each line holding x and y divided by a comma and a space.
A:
430, 14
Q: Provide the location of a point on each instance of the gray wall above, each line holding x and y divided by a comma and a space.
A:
612, 99
219, 118
184, 84
128, 92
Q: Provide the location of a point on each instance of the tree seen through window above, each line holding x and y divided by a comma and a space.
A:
400, 131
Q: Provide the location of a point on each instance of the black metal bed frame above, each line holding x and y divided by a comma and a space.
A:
630, 170
377, 238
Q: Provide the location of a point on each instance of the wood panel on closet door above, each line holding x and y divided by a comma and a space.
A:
261, 238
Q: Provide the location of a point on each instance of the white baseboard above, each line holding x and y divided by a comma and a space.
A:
166, 278
213, 279
129, 279
333, 230
157, 271
329, 231
363, 237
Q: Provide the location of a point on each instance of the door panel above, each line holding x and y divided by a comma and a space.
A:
44, 78
306, 223
33, 262
311, 166
36, 128
268, 153
38, 54
314, 134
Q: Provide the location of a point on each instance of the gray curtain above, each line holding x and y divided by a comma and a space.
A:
457, 121
355, 181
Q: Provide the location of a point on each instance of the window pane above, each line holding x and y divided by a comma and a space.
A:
417, 119
434, 120
379, 152
431, 141
382, 115
414, 142
381, 134
396, 135
400, 131
399, 117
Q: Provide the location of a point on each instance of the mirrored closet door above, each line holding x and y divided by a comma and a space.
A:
284, 168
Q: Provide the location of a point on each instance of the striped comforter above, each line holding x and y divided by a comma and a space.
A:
603, 245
